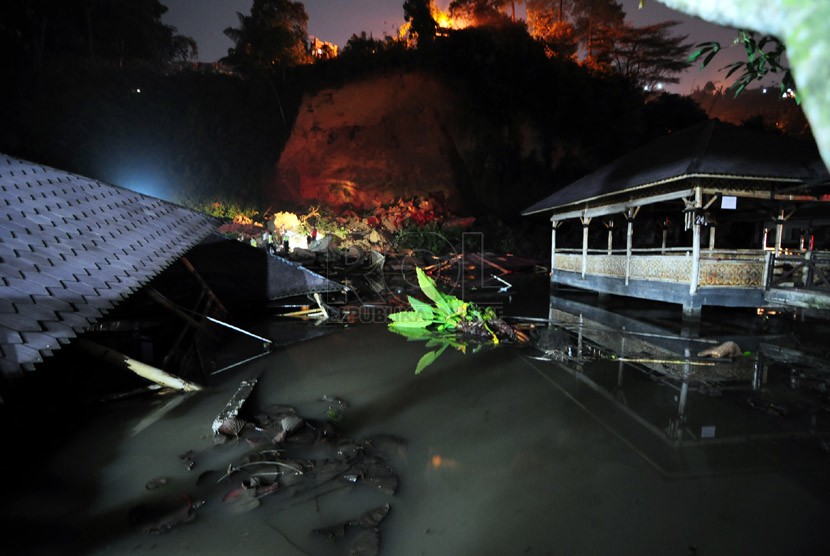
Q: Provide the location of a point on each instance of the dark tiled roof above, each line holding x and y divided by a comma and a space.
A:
73, 247
288, 279
712, 148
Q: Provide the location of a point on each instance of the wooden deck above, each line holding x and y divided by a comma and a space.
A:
731, 278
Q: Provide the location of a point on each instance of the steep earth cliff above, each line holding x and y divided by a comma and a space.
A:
399, 135
371, 141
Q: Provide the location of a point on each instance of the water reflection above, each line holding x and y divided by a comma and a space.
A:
675, 402
497, 453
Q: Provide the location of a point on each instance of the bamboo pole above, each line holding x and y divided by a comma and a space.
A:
143, 370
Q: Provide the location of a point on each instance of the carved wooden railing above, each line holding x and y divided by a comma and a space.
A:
721, 268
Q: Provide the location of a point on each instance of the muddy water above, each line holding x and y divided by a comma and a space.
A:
505, 454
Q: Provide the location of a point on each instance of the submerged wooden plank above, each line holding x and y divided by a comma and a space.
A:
231, 409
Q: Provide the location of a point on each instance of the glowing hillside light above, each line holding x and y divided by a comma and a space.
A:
659, 86
764, 90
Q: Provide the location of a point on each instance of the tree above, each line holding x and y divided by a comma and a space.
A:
479, 12
42, 31
804, 28
273, 35
595, 23
418, 13
649, 55
668, 113
547, 23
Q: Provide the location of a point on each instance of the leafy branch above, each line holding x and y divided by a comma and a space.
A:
764, 56
448, 322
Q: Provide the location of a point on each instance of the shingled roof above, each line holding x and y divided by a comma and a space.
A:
71, 248
711, 149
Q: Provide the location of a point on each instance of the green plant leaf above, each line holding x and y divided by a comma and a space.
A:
413, 334
430, 290
408, 319
423, 309
428, 359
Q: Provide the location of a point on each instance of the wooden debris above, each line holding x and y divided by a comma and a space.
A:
231, 409
141, 369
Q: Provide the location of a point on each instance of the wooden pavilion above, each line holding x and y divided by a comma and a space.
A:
711, 215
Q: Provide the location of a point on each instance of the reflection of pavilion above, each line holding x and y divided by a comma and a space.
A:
722, 213
684, 414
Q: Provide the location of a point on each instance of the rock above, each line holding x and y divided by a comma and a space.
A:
722, 351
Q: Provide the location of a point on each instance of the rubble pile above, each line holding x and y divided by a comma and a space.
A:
378, 229
275, 460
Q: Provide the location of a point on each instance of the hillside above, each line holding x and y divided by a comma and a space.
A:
371, 141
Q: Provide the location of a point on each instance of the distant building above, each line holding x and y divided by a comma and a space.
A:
321, 50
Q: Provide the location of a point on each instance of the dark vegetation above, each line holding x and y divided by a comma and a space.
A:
129, 110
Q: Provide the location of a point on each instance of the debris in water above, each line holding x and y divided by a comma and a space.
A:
188, 460
157, 482
231, 427
231, 409
160, 517
242, 500
723, 351
364, 544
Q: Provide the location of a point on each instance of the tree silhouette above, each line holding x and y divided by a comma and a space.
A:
274, 35
547, 23
46, 31
480, 12
423, 26
649, 55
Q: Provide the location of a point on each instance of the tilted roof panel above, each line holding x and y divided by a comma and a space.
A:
71, 247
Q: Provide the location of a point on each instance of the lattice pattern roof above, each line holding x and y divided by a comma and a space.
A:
71, 248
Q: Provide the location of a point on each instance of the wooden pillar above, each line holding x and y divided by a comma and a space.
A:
586, 221
779, 231
696, 224
665, 235
554, 225
712, 237
630, 215
610, 225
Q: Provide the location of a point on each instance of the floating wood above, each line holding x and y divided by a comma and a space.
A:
233, 406
141, 369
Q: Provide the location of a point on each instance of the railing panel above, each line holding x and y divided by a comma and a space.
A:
810, 271
661, 268
741, 271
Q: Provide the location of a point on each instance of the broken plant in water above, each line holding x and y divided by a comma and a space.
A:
449, 321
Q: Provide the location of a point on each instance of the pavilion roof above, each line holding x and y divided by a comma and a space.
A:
712, 149
71, 248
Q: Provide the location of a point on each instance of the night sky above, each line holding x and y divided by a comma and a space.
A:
337, 20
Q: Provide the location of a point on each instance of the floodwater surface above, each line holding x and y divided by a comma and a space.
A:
562, 449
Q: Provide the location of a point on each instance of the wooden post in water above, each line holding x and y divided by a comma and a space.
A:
695, 277
630, 215
610, 225
586, 221
554, 225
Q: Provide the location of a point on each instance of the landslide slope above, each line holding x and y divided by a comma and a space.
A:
372, 141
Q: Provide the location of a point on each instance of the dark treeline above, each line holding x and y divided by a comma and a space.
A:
202, 135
